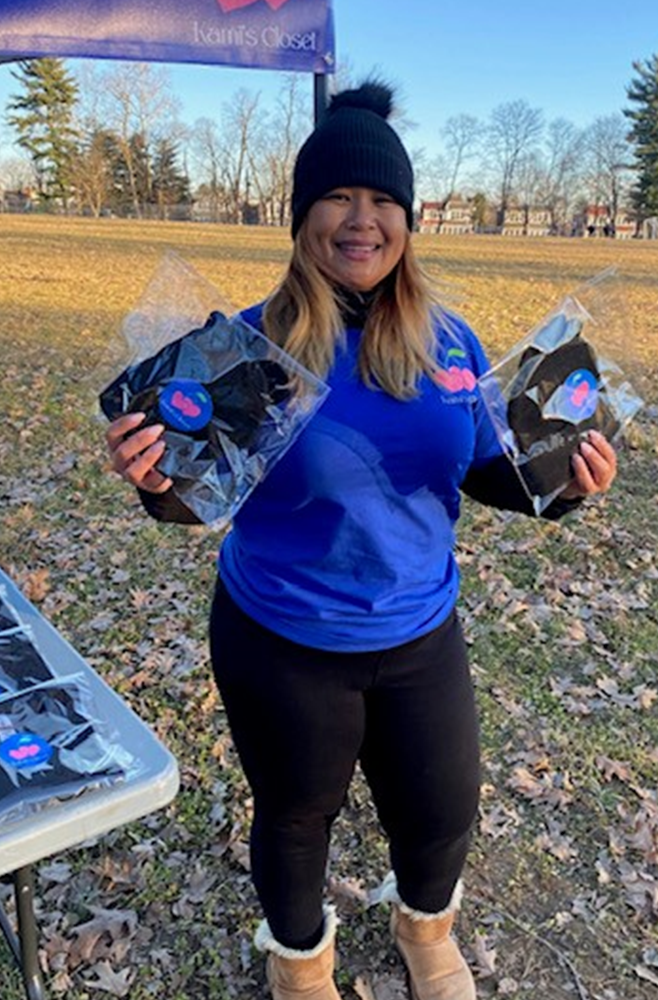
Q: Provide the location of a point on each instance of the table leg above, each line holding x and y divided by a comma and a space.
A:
24, 944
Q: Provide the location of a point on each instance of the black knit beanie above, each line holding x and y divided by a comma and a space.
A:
353, 146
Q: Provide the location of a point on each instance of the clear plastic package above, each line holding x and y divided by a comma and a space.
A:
53, 746
557, 384
21, 665
231, 401
53, 742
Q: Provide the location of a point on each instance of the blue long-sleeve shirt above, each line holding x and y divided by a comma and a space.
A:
348, 543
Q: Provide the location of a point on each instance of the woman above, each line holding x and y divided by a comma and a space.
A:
334, 636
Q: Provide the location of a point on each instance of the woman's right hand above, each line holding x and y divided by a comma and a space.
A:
134, 453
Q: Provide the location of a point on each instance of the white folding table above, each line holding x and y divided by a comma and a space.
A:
67, 823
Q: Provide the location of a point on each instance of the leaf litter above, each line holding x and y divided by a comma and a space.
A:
561, 621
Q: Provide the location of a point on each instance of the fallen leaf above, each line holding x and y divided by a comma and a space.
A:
116, 983
613, 769
485, 956
35, 584
363, 989
97, 938
349, 889
642, 972
380, 988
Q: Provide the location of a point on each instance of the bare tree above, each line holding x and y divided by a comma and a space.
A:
207, 151
430, 175
16, 174
563, 157
608, 162
529, 182
92, 175
272, 157
240, 122
513, 131
424, 173
92, 168
462, 135
136, 103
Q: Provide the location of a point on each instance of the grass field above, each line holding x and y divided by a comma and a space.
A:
562, 621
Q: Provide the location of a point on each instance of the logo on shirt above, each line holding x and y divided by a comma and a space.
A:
455, 376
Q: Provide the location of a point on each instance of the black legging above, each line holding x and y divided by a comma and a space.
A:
302, 717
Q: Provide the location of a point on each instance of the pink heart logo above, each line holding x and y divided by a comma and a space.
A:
455, 379
469, 380
185, 404
22, 753
580, 394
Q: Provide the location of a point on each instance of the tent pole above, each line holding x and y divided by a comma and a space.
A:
320, 95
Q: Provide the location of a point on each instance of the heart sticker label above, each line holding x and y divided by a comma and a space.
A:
185, 405
23, 750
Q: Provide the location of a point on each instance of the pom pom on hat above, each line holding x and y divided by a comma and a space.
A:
353, 146
370, 96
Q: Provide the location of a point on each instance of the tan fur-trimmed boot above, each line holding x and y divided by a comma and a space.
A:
437, 969
301, 975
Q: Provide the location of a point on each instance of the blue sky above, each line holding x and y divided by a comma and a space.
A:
571, 58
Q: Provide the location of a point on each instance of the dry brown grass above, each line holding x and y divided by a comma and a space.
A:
563, 896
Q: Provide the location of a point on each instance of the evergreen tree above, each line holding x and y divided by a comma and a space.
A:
43, 118
131, 173
139, 163
171, 185
643, 92
124, 200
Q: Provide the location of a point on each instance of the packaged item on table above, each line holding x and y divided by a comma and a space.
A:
53, 746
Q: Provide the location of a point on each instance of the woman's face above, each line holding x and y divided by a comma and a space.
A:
356, 236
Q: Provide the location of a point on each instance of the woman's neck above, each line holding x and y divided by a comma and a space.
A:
354, 306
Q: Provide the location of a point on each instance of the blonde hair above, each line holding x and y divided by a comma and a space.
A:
303, 315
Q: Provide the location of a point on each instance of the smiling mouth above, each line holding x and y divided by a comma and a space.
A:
357, 249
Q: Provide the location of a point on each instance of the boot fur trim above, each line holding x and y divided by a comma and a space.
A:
389, 894
265, 940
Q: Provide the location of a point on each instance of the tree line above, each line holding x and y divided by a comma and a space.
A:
111, 142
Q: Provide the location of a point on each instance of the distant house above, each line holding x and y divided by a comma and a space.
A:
526, 221
539, 222
453, 216
17, 201
625, 226
429, 217
596, 220
457, 216
513, 221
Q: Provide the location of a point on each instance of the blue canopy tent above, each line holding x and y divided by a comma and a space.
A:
289, 35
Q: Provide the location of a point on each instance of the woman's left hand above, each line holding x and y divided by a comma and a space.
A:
594, 467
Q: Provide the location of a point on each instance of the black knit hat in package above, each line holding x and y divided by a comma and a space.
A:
353, 146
